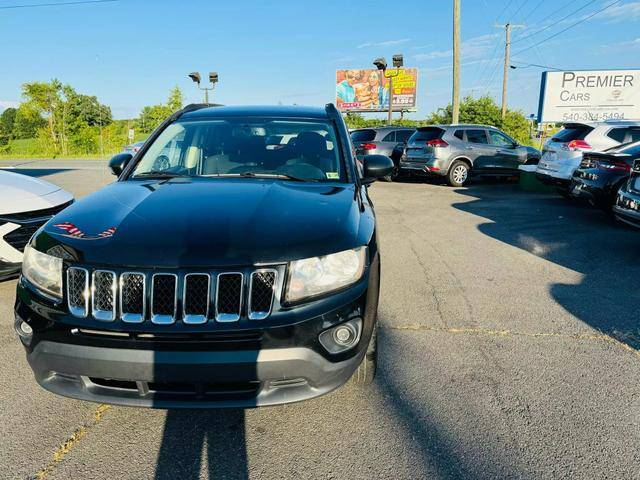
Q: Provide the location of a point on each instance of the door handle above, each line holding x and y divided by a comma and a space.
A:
468, 148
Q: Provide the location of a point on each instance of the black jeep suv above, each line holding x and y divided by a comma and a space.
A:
233, 263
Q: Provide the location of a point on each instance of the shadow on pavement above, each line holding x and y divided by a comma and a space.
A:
576, 237
38, 172
193, 438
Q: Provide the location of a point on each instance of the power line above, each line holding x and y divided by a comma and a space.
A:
527, 65
34, 5
582, 20
513, 15
547, 27
546, 17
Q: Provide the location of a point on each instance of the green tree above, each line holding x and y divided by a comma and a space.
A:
7, 120
152, 116
27, 122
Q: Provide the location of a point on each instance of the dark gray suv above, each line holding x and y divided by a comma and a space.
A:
382, 141
456, 151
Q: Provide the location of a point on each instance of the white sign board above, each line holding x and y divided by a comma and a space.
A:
130, 134
589, 96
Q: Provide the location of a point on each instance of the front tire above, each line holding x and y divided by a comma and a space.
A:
366, 371
458, 174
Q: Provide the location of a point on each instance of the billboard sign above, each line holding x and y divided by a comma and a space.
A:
589, 95
367, 90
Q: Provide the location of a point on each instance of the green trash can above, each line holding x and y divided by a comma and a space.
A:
529, 182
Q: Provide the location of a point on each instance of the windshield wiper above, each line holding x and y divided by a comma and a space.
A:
159, 174
283, 176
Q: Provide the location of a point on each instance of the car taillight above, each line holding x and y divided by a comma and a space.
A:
615, 165
368, 146
437, 143
575, 145
135, 149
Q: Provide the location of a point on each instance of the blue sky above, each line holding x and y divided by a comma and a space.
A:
131, 52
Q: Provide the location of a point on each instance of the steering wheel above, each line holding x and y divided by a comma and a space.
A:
161, 163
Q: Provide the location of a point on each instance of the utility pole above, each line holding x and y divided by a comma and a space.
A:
507, 54
456, 62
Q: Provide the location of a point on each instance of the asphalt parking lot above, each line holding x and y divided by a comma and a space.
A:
509, 349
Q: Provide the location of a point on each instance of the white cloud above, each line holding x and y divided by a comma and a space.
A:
475, 47
8, 104
387, 43
623, 13
615, 47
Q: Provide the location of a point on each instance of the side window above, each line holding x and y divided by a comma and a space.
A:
459, 134
500, 139
390, 137
477, 136
618, 134
403, 135
635, 135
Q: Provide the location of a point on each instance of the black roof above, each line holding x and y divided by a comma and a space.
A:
258, 110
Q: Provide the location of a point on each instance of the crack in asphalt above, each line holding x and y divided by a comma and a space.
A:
66, 446
615, 337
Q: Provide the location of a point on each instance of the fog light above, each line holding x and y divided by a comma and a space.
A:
342, 337
26, 328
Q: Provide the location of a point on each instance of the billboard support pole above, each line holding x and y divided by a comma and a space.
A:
390, 100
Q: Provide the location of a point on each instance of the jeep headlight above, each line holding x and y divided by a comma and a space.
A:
43, 271
317, 275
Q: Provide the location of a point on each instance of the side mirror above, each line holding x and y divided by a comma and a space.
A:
118, 162
375, 167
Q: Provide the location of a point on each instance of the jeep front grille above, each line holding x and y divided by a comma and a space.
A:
132, 297
229, 301
195, 304
103, 295
261, 293
164, 298
78, 291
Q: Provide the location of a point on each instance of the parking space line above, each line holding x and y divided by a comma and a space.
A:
70, 442
595, 337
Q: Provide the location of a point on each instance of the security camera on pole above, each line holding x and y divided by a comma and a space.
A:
213, 79
381, 64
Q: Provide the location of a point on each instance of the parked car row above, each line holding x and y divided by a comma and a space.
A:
597, 162
562, 154
454, 152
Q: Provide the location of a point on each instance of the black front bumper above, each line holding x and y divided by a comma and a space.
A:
200, 379
207, 366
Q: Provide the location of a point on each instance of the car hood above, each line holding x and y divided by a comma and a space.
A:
20, 193
206, 222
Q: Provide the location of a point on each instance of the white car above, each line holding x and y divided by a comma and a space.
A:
562, 154
26, 204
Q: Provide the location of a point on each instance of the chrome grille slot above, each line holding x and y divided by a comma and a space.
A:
229, 292
164, 302
261, 293
103, 295
78, 291
195, 301
132, 297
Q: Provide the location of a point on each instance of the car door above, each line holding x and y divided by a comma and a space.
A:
478, 150
387, 143
507, 153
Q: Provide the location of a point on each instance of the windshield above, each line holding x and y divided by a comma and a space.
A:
298, 150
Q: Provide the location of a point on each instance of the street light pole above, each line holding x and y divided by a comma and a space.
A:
213, 79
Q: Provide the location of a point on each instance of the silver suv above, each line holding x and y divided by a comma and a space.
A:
456, 151
562, 154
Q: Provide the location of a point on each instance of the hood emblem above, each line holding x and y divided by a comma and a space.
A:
75, 232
